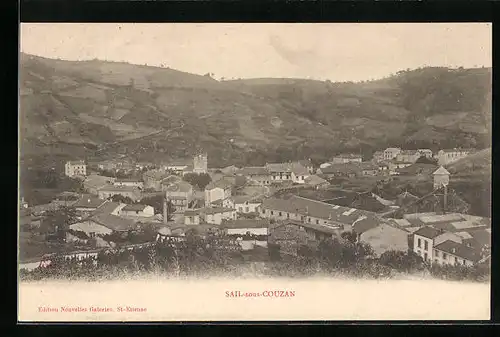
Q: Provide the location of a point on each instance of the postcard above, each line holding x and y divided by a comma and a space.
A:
254, 172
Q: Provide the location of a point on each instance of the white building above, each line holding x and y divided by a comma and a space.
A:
448, 156
200, 164
215, 216
131, 182
427, 238
244, 204
75, 168
137, 210
453, 253
219, 190
391, 153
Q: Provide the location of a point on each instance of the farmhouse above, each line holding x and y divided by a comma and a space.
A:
218, 190
109, 191
137, 210
315, 213
299, 173
448, 156
280, 171
347, 158
102, 224
130, 182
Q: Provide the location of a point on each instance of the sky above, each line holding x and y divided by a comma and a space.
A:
333, 51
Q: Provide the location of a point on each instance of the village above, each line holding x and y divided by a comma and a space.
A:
121, 205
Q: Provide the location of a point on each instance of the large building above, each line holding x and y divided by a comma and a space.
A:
391, 153
180, 194
347, 158
219, 190
408, 156
75, 169
448, 156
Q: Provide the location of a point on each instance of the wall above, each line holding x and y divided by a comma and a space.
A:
148, 212
441, 258
447, 236
440, 180
420, 250
191, 219
218, 217
300, 179
213, 195
247, 207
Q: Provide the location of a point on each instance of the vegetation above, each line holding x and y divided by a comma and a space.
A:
157, 203
199, 180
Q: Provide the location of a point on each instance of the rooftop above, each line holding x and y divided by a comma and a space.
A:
341, 168
279, 167
315, 180
135, 207
459, 250
222, 183
348, 156
76, 162
113, 222
314, 208
253, 171
108, 207
441, 171
428, 232
88, 201
245, 223
180, 186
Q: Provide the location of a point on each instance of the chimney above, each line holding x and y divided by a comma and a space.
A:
165, 211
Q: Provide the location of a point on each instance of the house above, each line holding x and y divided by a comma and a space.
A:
348, 170
369, 169
137, 210
109, 191
88, 203
316, 181
416, 169
178, 167
75, 169
378, 156
383, 237
426, 238
110, 207
425, 153
347, 158
315, 213
215, 216
217, 190
94, 182
200, 163
180, 194
104, 224
279, 171
153, 179
244, 204
192, 217
168, 181
248, 233
383, 167
441, 177
391, 153
131, 182
394, 165
408, 156
307, 164
448, 156
256, 175
299, 173
453, 253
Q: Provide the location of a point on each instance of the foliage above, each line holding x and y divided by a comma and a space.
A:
426, 160
199, 180
157, 203
57, 222
122, 199
401, 261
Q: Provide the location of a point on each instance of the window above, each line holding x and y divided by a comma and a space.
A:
280, 213
272, 212
288, 215
436, 252
456, 260
419, 243
317, 222
309, 219
426, 245
444, 255
425, 256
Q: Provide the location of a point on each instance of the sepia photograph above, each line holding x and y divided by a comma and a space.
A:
254, 172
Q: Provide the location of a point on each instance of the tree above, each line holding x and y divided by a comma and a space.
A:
199, 180
56, 222
426, 160
121, 199
157, 203
351, 237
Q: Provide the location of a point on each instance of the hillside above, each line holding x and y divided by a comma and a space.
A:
97, 109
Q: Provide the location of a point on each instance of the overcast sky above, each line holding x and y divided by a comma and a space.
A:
338, 52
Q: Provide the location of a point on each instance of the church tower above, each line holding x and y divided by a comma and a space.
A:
200, 163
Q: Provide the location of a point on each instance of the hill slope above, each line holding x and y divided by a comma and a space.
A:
72, 109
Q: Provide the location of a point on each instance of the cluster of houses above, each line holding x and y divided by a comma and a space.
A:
254, 220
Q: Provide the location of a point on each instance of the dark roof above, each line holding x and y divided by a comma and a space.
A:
88, 201
113, 222
459, 250
180, 186
245, 223
134, 207
314, 208
279, 167
216, 210
108, 207
341, 168
364, 225
253, 171
428, 232
222, 183
299, 169
191, 212
481, 236
315, 180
